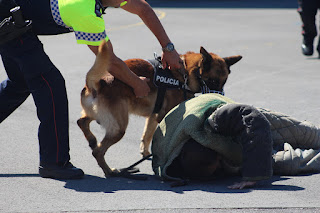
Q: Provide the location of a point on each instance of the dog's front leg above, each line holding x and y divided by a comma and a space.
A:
149, 129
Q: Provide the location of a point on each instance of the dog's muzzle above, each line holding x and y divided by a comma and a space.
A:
205, 89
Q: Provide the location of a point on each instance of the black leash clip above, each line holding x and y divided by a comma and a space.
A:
13, 26
19, 21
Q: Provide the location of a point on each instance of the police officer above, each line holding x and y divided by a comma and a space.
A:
308, 10
30, 70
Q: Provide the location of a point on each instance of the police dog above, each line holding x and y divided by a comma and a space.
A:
109, 101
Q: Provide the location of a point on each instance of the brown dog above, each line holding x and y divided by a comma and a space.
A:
109, 101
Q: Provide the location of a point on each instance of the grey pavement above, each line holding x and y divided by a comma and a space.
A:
272, 74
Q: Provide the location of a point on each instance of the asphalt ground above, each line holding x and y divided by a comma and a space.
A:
272, 74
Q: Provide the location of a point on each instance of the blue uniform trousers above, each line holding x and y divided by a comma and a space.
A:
308, 10
30, 71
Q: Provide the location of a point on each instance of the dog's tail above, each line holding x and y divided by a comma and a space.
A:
100, 67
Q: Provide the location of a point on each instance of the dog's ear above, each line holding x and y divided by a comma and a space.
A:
232, 59
205, 55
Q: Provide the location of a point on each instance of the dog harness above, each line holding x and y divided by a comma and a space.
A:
163, 79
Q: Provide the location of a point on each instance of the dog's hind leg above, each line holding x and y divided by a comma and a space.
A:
98, 151
149, 129
114, 118
84, 124
101, 150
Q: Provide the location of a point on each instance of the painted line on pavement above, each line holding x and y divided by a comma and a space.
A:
159, 13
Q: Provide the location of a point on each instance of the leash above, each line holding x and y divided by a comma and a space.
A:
130, 170
139, 161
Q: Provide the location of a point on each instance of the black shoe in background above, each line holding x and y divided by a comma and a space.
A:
60, 172
307, 47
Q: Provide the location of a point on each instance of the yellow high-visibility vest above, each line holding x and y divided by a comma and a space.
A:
80, 17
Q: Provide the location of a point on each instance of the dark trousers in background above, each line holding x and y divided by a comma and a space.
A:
308, 10
30, 71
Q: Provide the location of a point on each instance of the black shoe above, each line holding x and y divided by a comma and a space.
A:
62, 172
307, 47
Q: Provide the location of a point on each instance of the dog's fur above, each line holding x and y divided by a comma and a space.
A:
109, 101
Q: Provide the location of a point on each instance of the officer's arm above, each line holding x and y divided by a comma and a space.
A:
94, 49
148, 16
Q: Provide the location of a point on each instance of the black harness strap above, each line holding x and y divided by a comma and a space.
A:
156, 63
164, 80
160, 98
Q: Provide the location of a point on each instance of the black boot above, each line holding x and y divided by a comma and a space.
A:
309, 29
60, 172
307, 47
318, 49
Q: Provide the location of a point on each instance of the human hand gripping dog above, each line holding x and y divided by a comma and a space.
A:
171, 60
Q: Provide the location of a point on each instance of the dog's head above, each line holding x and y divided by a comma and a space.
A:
208, 72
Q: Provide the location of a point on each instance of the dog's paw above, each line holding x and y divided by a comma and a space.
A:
112, 173
145, 153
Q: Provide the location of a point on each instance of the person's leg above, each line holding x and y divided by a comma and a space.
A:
251, 128
49, 94
308, 10
13, 90
318, 46
47, 87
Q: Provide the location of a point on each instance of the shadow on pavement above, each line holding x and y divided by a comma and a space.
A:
224, 3
114, 184
92, 183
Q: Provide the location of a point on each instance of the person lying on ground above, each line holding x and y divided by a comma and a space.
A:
212, 136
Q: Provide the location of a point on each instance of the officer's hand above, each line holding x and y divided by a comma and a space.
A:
142, 89
243, 184
171, 60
